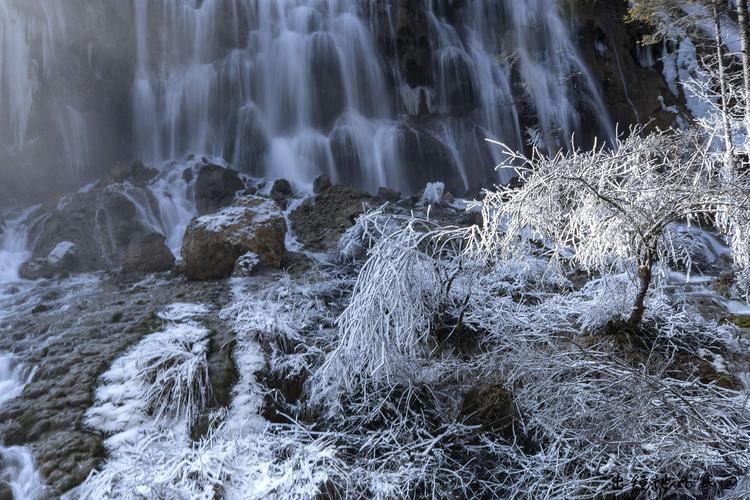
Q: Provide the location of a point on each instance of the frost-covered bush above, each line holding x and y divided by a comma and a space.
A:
592, 412
613, 208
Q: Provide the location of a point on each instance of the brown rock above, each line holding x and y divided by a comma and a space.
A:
320, 221
213, 243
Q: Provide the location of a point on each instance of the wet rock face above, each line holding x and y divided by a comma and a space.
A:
609, 46
137, 173
213, 243
320, 221
100, 223
148, 254
6, 493
413, 43
215, 188
328, 80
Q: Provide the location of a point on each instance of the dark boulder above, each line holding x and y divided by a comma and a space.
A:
6, 492
148, 254
387, 194
281, 191
100, 223
188, 175
215, 188
137, 174
321, 183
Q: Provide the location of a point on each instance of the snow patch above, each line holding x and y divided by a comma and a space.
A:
180, 311
433, 193
60, 252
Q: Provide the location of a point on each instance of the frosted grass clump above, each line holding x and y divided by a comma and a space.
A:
255, 466
147, 402
163, 378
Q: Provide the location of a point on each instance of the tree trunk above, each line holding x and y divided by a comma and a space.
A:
743, 28
728, 143
645, 272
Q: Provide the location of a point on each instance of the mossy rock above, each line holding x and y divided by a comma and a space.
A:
723, 284
740, 320
149, 324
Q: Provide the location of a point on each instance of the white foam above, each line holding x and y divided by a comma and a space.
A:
17, 466
13, 377
13, 246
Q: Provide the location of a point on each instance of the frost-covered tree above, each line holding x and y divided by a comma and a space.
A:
723, 82
615, 208
742, 27
666, 17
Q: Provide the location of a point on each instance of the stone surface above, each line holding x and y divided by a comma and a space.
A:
148, 254
213, 243
630, 91
320, 221
215, 188
387, 194
137, 173
321, 183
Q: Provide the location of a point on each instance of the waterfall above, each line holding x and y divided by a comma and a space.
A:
369, 92
16, 78
298, 88
13, 246
33, 37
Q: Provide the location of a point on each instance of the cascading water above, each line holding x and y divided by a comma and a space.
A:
28, 37
13, 247
42, 129
17, 468
296, 88
371, 92
16, 84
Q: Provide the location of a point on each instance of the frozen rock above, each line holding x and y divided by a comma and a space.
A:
214, 243
246, 265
